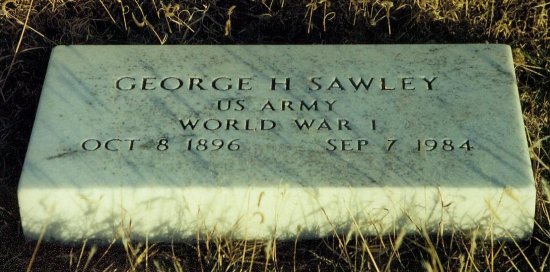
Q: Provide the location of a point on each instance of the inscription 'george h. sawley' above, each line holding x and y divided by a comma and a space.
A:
315, 83
261, 142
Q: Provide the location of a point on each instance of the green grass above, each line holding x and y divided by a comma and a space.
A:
29, 29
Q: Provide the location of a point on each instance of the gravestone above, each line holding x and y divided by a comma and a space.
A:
256, 141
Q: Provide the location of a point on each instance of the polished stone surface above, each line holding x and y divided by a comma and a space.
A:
288, 141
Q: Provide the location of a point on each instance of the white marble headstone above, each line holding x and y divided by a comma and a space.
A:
257, 141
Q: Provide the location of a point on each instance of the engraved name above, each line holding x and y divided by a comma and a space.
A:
314, 83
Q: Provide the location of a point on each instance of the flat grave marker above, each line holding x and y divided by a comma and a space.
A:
262, 141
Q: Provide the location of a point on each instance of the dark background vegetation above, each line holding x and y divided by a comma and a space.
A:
30, 29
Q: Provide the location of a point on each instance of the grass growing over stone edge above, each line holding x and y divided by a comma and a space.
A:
30, 28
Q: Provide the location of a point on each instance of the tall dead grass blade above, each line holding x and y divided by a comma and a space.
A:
35, 251
16, 48
82, 248
395, 249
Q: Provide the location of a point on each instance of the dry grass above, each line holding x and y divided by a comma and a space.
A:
29, 29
